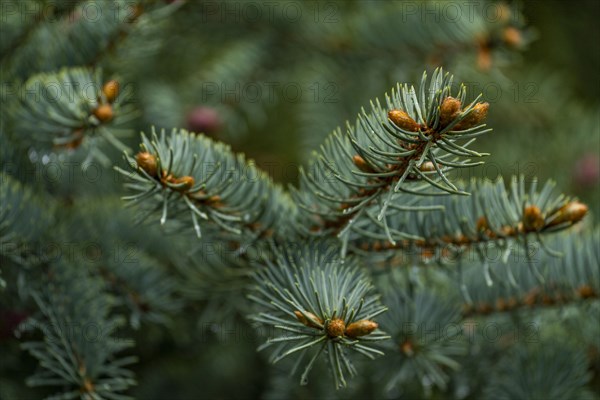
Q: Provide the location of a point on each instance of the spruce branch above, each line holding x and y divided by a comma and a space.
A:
547, 370
16, 30
127, 259
134, 11
317, 306
79, 352
71, 38
184, 171
217, 276
69, 109
493, 215
532, 278
24, 222
412, 136
426, 340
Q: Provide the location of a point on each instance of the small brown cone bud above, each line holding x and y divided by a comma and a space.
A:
186, 182
306, 321
482, 224
362, 164
135, 13
336, 327
533, 220
512, 37
215, 199
484, 59
508, 230
449, 110
87, 386
111, 90
476, 116
104, 112
76, 142
427, 166
501, 304
586, 291
547, 299
512, 303
572, 212
531, 297
407, 348
402, 120
361, 328
484, 308
147, 162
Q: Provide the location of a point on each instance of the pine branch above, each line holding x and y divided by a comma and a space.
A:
316, 306
375, 159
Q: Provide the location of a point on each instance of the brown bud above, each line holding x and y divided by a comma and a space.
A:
547, 299
512, 36
111, 90
186, 182
407, 348
135, 13
501, 304
361, 328
362, 164
87, 386
572, 212
104, 112
476, 116
427, 166
531, 297
508, 230
215, 199
512, 303
311, 321
402, 120
484, 308
449, 110
586, 291
147, 162
427, 253
482, 224
484, 58
76, 142
533, 220
335, 328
